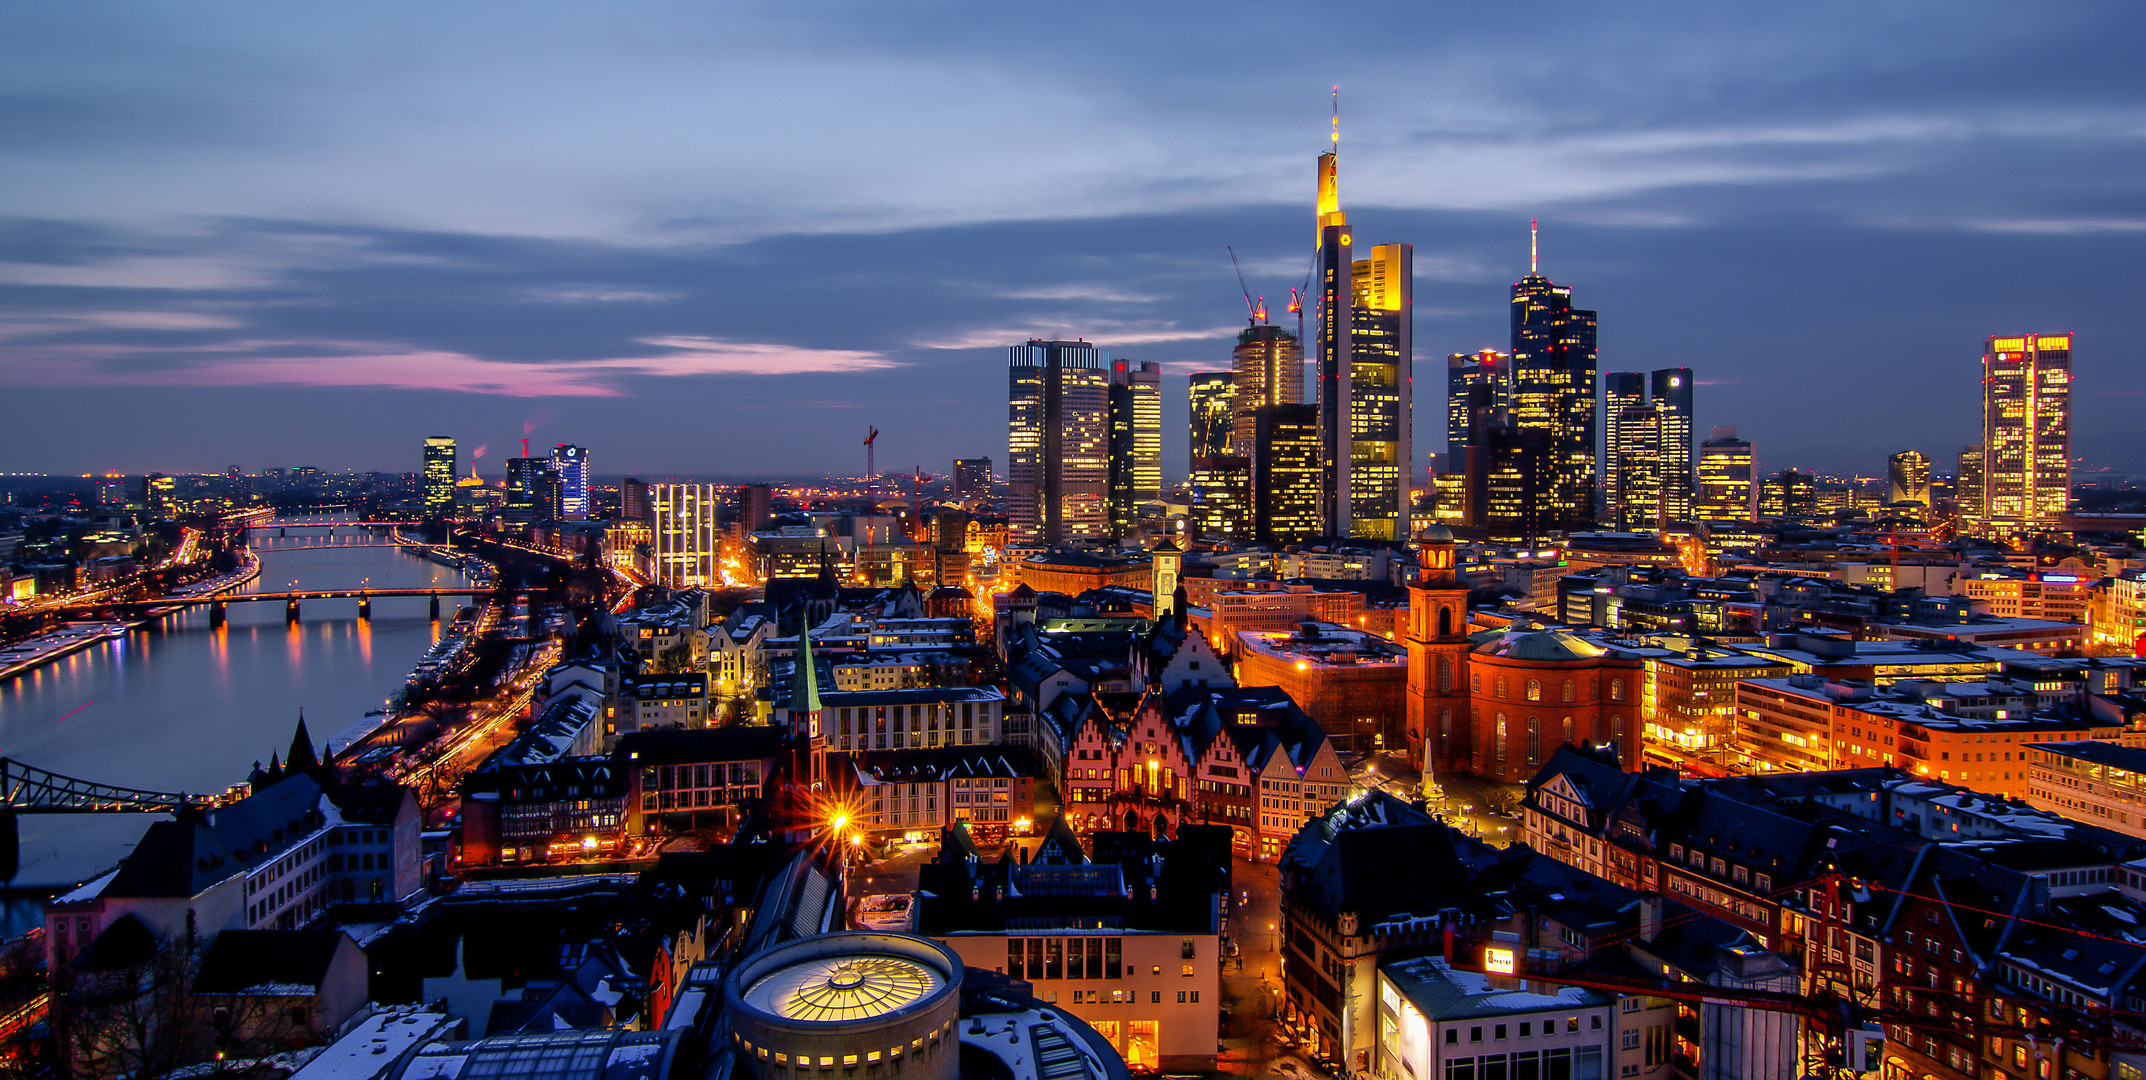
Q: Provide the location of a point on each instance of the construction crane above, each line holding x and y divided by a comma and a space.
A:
1256, 311
871, 435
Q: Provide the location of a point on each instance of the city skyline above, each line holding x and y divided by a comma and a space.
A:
343, 322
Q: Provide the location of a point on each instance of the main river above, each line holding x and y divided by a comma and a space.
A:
178, 706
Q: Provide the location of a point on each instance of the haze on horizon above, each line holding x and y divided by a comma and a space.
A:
723, 240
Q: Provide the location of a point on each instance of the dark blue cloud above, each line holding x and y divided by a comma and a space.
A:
1822, 210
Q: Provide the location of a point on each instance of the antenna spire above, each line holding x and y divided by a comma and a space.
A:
1337, 118
1534, 250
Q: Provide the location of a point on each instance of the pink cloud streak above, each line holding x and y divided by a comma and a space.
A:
358, 364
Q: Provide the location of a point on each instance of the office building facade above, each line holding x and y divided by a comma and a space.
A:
972, 478
1554, 390
1907, 478
1464, 372
1211, 395
1365, 375
1969, 489
1286, 473
533, 491
1269, 366
1135, 442
1221, 493
1647, 475
1728, 480
756, 507
1058, 444
439, 491
572, 464
2026, 434
688, 520
1621, 390
633, 499
1672, 389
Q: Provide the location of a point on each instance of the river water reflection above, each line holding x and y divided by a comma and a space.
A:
182, 707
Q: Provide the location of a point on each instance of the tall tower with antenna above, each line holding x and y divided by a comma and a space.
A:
1555, 390
1335, 369
1364, 350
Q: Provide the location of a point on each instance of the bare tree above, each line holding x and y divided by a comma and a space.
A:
130, 1020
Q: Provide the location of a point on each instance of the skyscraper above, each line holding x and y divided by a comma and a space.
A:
439, 491
1365, 373
1269, 366
1728, 484
1621, 390
2026, 433
1789, 493
1508, 472
572, 464
1135, 442
1673, 399
633, 499
1554, 366
1212, 394
1286, 473
1058, 443
1652, 460
1970, 491
972, 478
756, 507
530, 499
1463, 372
1635, 461
1907, 478
1382, 377
1221, 490
687, 522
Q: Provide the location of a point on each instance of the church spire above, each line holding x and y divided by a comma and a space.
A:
302, 758
805, 684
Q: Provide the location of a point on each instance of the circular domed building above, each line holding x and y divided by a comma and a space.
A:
1532, 691
882, 1003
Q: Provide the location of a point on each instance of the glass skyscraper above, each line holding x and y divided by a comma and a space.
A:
2026, 434
1269, 367
1728, 481
686, 529
1286, 473
1058, 443
1365, 374
439, 476
1135, 442
1647, 470
1463, 372
1554, 367
1212, 394
572, 464
1907, 478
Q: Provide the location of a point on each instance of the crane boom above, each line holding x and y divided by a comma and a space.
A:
1256, 312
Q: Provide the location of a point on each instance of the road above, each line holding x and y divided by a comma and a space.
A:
490, 726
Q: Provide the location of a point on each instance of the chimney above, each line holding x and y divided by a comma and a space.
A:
1650, 918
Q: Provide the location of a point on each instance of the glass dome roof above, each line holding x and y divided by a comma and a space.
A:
838, 988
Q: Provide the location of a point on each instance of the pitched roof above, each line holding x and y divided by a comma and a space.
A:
240, 960
184, 856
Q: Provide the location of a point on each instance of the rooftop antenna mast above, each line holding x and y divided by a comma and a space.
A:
1258, 311
1534, 250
